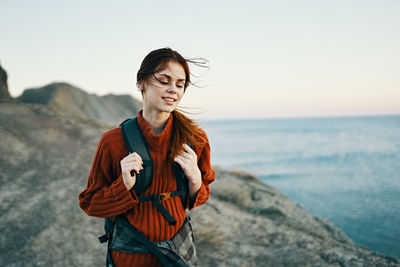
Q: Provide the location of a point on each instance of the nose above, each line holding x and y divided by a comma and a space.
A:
172, 89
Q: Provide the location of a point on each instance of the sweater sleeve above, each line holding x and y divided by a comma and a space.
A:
207, 176
105, 195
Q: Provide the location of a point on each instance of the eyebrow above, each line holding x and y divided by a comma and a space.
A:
169, 77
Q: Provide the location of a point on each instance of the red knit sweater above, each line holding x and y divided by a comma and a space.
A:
106, 194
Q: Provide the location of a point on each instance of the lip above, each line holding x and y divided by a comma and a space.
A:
173, 98
168, 102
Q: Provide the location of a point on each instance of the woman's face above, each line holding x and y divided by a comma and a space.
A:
163, 93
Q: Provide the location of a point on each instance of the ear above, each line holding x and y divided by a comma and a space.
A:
141, 87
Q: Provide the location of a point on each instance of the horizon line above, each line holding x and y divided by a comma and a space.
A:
342, 116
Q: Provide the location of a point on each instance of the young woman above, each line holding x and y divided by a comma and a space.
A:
172, 140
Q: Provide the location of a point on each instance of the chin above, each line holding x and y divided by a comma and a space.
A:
169, 110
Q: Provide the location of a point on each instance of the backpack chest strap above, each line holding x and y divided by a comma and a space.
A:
156, 200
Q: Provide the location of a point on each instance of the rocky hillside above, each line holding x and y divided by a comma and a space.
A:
45, 158
68, 98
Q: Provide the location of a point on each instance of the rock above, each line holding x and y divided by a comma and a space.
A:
4, 93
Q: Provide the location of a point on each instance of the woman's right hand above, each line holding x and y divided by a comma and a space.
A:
131, 162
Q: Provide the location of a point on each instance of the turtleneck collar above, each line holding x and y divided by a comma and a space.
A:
156, 141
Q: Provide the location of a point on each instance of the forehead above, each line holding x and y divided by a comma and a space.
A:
173, 70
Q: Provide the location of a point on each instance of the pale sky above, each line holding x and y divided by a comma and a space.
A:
266, 58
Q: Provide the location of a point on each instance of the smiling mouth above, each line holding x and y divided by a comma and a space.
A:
169, 99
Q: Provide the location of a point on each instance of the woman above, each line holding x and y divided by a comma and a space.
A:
172, 138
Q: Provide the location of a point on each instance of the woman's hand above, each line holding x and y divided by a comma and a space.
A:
188, 161
131, 162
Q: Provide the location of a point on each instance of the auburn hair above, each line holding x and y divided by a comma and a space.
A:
184, 129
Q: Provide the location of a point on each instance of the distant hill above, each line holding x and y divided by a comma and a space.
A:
65, 97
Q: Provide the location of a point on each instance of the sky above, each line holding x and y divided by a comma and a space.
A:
266, 58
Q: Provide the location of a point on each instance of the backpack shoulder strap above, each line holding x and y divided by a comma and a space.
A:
182, 184
136, 142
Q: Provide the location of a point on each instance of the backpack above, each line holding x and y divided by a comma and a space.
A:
136, 142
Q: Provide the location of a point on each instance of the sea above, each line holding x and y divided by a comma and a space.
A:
344, 169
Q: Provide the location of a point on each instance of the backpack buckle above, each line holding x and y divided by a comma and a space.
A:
164, 196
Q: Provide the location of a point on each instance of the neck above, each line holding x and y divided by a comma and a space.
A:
156, 120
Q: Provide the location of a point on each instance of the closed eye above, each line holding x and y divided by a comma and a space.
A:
180, 81
165, 83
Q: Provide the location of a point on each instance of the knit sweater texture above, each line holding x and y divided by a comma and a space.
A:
106, 194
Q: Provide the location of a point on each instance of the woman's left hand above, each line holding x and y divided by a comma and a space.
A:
188, 161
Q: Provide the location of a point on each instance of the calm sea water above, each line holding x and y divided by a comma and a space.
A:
344, 169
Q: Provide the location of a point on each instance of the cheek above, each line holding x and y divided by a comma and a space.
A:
180, 98
151, 93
